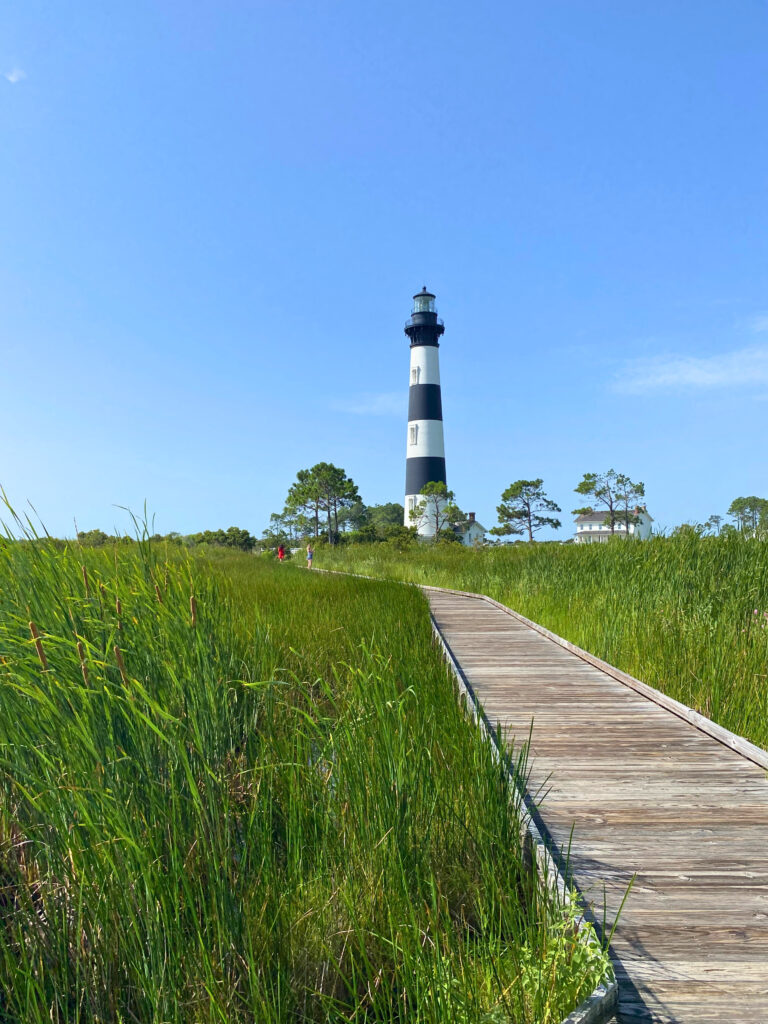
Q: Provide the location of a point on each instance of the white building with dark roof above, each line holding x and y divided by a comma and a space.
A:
591, 527
470, 532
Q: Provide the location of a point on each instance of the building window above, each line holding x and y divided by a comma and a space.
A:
413, 433
411, 504
415, 374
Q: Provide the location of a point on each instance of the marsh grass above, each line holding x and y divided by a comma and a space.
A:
245, 793
684, 614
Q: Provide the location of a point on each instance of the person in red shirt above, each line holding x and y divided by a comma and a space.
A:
281, 552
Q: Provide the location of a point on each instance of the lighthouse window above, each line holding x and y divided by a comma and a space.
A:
415, 374
413, 433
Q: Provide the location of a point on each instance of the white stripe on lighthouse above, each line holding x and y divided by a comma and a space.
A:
425, 437
425, 364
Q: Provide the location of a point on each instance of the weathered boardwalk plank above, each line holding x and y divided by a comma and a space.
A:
646, 794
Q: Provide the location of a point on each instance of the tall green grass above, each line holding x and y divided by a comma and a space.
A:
685, 614
246, 793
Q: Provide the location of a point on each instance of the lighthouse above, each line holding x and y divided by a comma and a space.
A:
425, 451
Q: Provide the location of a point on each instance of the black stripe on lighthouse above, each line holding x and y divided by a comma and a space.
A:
423, 470
424, 402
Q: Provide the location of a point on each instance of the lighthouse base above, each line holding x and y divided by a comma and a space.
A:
429, 514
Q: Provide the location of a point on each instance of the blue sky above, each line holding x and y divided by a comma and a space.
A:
213, 215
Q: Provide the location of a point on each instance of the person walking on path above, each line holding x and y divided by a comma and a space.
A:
281, 552
310, 553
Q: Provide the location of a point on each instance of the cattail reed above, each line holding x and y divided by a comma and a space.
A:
85, 582
193, 610
159, 595
83, 666
119, 610
121, 665
38, 646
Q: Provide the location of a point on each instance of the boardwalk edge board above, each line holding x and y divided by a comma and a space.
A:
600, 1006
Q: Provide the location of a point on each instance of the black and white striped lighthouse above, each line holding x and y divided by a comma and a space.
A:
425, 453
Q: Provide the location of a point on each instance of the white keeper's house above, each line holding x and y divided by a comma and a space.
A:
591, 527
470, 532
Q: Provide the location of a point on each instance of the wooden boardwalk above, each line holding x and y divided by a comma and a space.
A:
646, 793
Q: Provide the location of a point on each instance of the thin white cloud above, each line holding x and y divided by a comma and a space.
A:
747, 366
15, 75
759, 324
388, 403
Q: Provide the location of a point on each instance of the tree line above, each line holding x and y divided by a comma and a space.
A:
525, 507
233, 537
324, 503
749, 515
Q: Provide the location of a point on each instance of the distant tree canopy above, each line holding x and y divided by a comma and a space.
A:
750, 514
380, 523
522, 509
713, 524
389, 514
95, 538
355, 517
615, 493
286, 528
306, 512
324, 503
324, 491
233, 537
